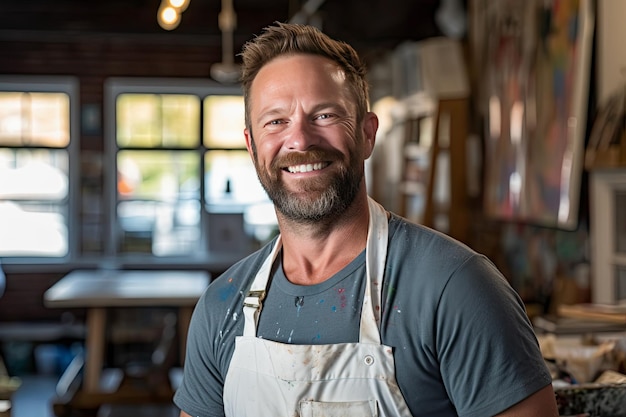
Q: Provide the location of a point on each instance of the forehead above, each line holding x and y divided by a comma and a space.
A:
298, 81
303, 60
301, 71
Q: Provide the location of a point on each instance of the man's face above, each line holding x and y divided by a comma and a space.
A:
305, 143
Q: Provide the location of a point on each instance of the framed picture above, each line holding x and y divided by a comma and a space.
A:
534, 96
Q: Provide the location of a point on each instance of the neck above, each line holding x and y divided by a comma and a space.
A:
312, 254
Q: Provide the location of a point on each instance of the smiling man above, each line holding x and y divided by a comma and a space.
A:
352, 310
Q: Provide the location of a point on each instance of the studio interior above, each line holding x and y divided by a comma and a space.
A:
126, 186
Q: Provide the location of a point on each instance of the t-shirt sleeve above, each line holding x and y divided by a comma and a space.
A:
489, 355
200, 393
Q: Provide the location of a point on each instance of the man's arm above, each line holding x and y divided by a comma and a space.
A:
540, 404
183, 414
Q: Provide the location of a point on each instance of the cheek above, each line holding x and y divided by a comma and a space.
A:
341, 135
353, 137
267, 151
349, 126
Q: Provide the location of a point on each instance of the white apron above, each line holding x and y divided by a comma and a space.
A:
271, 379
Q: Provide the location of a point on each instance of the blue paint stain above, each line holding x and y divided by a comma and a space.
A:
333, 308
227, 292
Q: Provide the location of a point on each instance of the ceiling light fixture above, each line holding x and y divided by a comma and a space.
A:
181, 5
168, 18
226, 71
170, 13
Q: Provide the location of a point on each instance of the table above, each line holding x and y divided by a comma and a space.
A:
99, 290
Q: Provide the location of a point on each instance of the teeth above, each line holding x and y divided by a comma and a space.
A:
305, 167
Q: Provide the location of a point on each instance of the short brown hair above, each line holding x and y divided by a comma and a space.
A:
287, 39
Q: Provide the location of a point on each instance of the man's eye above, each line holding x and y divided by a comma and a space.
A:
324, 116
275, 122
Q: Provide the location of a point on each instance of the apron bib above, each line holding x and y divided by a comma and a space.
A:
271, 379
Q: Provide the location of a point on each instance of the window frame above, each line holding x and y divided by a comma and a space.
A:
115, 86
71, 86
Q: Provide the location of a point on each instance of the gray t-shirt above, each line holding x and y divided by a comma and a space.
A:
462, 342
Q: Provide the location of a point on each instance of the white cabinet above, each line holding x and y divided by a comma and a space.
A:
608, 235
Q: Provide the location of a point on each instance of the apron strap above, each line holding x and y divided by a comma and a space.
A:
253, 303
376, 255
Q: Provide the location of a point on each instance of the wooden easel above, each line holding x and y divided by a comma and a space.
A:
450, 135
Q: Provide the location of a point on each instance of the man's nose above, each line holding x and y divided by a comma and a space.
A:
301, 135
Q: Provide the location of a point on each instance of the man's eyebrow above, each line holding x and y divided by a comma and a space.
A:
331, 105
279, 111
270, 112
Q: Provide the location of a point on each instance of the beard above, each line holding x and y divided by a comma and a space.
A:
318, 198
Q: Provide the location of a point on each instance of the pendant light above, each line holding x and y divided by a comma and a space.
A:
227, 71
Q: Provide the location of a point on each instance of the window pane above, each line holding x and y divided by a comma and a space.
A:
224, 121
33, 174
33, 229
232, 186
33, 202
231, 180
158, 120
181, 120
137, 120
159, 202
34, 119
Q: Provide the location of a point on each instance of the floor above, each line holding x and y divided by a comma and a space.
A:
36, 393
34, 397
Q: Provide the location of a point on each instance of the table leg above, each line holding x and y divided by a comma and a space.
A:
184, 317
96, 329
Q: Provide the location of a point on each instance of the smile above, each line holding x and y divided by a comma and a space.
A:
307, 167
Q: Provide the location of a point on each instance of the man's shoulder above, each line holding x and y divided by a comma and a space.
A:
430, 258
236, 279
254, 260
250, 263
418, 238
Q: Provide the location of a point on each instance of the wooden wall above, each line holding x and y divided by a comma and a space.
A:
94, 58
23, 298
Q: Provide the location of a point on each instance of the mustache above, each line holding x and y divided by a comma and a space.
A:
305, 157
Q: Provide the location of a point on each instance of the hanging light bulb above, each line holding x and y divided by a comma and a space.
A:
180, 5
168, 17
170, 13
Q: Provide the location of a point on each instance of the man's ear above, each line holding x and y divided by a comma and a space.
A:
370, 127
248, 135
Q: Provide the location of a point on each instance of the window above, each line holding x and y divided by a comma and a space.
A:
37, 154
184, 184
